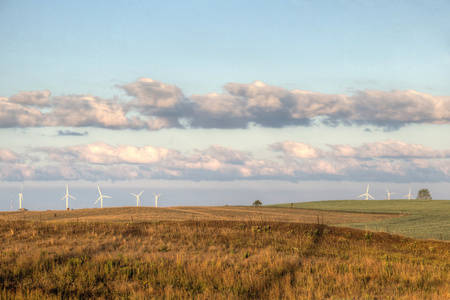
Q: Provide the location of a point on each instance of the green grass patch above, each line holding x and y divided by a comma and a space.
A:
423, 219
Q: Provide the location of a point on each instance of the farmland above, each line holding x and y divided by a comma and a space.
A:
421, 218
230, 213
216, 252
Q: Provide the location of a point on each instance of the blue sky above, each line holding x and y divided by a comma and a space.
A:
223, 102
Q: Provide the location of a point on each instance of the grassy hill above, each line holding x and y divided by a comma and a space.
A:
215, 259
423, 218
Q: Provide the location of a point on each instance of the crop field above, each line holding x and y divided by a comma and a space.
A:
424, 219
213, 259
230, 213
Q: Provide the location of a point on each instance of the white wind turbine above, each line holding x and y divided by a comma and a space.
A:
67, 197
156, 199
101, 197
409, 195
20, 197
389, 194
366, 194
138, 201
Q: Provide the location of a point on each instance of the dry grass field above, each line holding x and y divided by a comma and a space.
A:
216, 260
229, 213
214, 252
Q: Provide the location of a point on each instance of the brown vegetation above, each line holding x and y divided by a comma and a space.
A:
216, 259
180, 213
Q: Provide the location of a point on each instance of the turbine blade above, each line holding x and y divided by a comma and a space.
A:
97, 199
99, 190
106, 197
135, 194
371, 197
63, 198
72, 197
141, 193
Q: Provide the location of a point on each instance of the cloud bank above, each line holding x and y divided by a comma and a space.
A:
155, 105
383, 161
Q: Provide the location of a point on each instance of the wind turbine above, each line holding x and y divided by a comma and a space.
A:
138, 201
156, 199
367, 194
389, 194
101, 197
409, 195
67, 197
20, 197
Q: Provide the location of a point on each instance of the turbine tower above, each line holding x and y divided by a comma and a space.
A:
67, 197
409, 195
156, 199
389, 194
138, 201
366, 194
101, 197
20, 197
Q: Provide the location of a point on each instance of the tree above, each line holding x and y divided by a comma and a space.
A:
424, 194
257, 203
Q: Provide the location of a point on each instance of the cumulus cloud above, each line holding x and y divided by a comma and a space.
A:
152, 94
298, 150
37, 98
7, 155
383, 149
78, 111
389, 160
389, 148
101, 153
271, 106
156, 105
17, 115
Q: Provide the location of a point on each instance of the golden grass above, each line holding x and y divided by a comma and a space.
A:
235, 213
210, 259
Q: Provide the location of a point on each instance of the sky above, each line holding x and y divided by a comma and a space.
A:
222, 102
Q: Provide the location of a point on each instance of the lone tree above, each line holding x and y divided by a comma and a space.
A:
424, 194
257, 203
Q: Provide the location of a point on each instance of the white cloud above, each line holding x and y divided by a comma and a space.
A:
389, 148
101, 153
151, 93
17, 115
381, 161
7, 155
298, 150
37, 98
77, 111
156, 105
